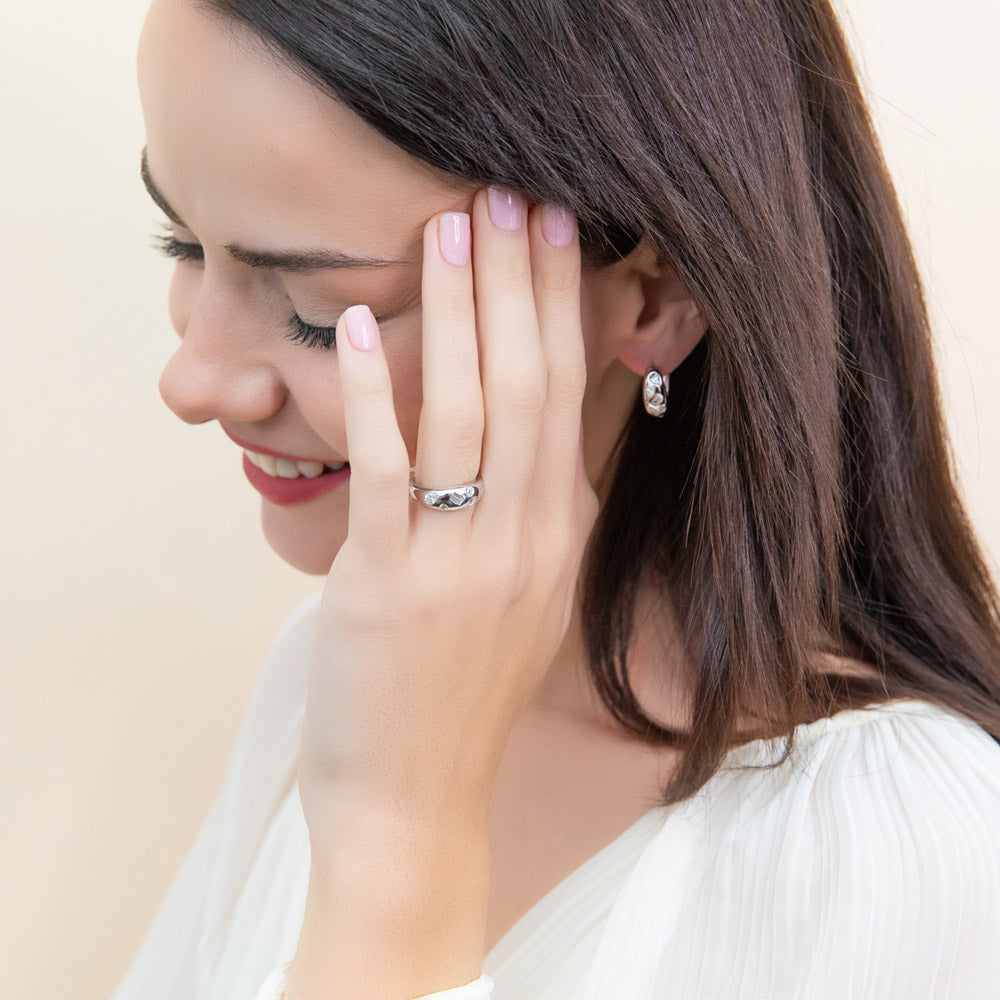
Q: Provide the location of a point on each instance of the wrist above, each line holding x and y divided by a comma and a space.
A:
425, 811
394, 908
401, 861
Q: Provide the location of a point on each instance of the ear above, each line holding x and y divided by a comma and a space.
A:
665, 324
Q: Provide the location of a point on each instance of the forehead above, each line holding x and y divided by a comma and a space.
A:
245, 148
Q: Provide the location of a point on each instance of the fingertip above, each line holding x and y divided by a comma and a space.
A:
506, 208
558, 226
556, 264
455, 238
361, 328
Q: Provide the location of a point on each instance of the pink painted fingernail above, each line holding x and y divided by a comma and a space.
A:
455, 238
506, 209
361, 330
557, 226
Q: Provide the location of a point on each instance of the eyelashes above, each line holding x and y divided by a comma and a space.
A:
170, 246
299, 331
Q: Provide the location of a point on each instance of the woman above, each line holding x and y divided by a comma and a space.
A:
703, 547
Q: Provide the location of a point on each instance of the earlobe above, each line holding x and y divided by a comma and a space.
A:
669, 325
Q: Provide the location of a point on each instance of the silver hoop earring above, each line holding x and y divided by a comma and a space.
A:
655, 389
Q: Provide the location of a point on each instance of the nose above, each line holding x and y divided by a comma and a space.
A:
220, 370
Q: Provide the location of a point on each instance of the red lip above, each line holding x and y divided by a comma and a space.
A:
286, 492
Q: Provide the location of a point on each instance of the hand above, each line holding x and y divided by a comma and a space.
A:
435, 626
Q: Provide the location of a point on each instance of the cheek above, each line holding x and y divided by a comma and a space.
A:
598, 321
402, 342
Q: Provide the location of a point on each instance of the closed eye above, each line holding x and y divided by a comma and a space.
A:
170, 246
301, 332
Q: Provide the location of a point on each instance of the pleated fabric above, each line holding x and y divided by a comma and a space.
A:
867, 865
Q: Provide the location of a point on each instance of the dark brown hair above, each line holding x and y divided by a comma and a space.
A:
797, 500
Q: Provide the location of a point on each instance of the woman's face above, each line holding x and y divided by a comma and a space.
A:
285, 209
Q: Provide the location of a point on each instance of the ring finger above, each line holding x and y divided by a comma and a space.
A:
450, 436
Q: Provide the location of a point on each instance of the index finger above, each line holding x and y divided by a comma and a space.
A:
378, 511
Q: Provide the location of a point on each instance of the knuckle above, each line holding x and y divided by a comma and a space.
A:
358, 613
350, 597
569, 380
465, 453
515, 575
369, 391
462, 425
557, 279
511, 268
526, 389
385, 472
467, 446
453, 309
434, 594
379, 481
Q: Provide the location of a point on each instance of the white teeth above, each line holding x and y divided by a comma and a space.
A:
311, 469
285, 468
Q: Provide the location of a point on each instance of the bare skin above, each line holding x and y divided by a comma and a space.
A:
566, 789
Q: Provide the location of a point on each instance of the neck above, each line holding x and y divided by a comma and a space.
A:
657, 669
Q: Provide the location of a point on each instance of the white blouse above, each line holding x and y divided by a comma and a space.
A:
865, 866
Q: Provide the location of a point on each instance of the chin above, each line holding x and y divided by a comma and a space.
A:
303, 543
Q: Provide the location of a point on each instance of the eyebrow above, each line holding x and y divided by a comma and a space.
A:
292, 261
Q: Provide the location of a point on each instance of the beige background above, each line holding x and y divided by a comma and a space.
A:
138, 597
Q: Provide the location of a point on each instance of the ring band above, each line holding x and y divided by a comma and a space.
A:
450, 498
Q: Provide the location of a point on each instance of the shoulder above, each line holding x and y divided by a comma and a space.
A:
869, 856
906, 784
865, 866
897, 733
907, 758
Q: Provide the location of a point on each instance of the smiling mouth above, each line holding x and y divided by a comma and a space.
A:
285, 468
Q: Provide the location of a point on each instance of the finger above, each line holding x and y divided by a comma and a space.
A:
450, 437
555, 271
378, 518
513, 366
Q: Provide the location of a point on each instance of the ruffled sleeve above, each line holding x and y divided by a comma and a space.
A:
865, 866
